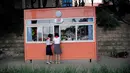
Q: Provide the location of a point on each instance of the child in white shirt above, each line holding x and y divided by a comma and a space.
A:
57, 49
48, 49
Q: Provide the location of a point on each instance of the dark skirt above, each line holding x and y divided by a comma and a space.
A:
48, 50
57, 49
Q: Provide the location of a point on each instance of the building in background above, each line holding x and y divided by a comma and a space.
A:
26, 4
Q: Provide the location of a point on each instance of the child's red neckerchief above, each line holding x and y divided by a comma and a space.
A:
47, 38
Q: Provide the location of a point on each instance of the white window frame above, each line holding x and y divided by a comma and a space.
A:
86, 40
37, 36
47, 27
29, 20
63, 24
36, 25
76, 25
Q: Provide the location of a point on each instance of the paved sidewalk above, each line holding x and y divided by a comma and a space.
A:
108, 61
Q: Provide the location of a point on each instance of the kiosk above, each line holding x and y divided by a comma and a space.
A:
75, 25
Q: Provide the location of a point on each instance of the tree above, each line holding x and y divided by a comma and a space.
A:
109, 15
119, 8
106, 20
11, 21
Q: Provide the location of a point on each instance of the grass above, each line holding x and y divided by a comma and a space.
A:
102, 69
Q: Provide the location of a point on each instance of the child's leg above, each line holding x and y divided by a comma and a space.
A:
58, 58
47, 59
51, 59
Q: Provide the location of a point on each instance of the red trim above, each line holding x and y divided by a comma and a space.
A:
47, 38
56, 36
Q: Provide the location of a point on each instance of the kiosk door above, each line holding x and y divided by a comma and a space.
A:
56, 29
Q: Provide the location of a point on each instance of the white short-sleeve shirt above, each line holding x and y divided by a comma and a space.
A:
48, 42
56, 40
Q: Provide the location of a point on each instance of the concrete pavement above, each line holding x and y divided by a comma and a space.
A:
104, 60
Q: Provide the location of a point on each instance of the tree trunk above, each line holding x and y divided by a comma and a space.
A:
44, 3
32, 3
57, 3
39, 3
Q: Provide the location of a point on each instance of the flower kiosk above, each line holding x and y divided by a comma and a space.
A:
75, 25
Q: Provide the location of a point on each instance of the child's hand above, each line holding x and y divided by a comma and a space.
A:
52, 46
51, 41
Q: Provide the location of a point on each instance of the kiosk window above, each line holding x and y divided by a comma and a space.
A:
38, 34
85, 32
68, 33
46, 31
76, 32
82, 32
72, 29
31, 33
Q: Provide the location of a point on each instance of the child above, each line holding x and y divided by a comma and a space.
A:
57, 49
48, 49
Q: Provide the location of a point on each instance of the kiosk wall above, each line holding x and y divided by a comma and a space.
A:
76, 27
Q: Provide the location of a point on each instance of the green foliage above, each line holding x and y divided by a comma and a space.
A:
102, 69
12, 23
94, 70
42, 70
106, 19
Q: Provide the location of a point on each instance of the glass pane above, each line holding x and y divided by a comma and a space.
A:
85, 20
28, 22
46, 31
34, 21
43, 21
31, 33
90, 19
68, 33
39, 31
82, 32
90, 32
78, 20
